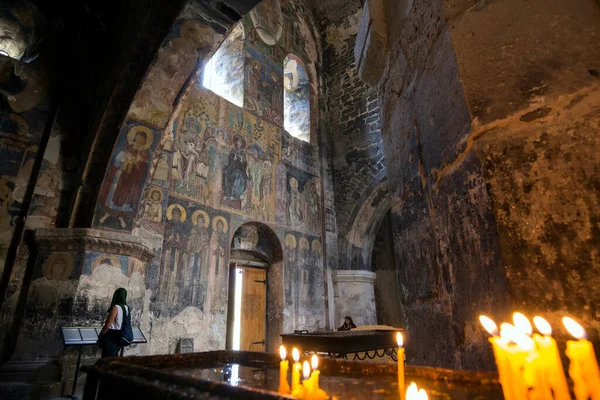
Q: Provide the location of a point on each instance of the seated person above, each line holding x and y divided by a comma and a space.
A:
348, 324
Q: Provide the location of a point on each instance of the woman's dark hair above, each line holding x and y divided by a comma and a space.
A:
119, 298
349, 318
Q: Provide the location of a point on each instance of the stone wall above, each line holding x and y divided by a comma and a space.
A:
489, 120
359, 174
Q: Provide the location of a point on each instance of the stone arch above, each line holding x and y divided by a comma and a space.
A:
364, 224
253, 237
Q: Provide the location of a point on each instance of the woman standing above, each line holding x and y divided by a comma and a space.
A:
110, 336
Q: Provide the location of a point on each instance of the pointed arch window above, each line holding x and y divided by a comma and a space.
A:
296, 98
224, 73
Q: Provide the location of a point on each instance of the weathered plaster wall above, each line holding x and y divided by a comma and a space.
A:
489, 115
532, 91
359, 176
446, 247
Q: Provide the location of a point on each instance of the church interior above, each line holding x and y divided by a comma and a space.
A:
249, 169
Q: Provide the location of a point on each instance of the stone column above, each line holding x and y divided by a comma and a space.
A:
354, 294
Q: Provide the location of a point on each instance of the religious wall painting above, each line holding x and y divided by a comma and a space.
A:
299, 199
177, 59
154, 209
24, 111
96, 262
125, 176
60, 266
163, 169
198, 148
303, 274
194, 258
263, 83
296, 98
299, 153
223, 74
267, 20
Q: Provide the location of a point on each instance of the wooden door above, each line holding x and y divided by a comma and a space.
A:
253, 313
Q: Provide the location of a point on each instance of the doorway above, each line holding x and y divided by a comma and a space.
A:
255, 306
249, 289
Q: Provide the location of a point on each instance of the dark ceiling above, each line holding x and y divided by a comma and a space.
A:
333, 11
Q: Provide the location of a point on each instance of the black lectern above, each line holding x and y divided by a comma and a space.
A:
80, 336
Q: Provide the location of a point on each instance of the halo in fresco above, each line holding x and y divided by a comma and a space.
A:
316, 246
58, 266
140, 129
204, 214
216, 226
290, 241
268, 21
304, 243
181, 210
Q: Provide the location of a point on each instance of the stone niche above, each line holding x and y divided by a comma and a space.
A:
354, 293
75, 274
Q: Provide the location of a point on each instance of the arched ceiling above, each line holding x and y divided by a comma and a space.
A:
333, 11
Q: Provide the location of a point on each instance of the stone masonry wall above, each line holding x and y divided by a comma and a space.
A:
355, 140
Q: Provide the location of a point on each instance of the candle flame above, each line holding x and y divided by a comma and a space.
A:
282, 353
423, 395
489, 325
524, 341
542, 325
314, 361
508, 332
522, 323
296, 354
574, 328
399, 339
306, 370
412, 392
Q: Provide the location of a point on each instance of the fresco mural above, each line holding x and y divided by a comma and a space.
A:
298, 198
23, 115
225, 157
121, 191
267, 19
223, 74
195, 254
263, 86
303, 277
296, 106
189, 41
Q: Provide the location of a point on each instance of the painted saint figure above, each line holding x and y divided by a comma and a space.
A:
235, 177
154, 208
196, 269
217, 273
126, 175
174, 246
295, 206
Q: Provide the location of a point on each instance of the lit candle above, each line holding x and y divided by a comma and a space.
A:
583, 368
319, 394
422, 395
307, 388
550, 370
284, 386
314, 377
400, 356
518, 347
499, 345
534, 382
412, 392
296, 367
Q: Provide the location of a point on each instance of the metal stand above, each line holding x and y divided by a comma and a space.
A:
72, 395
